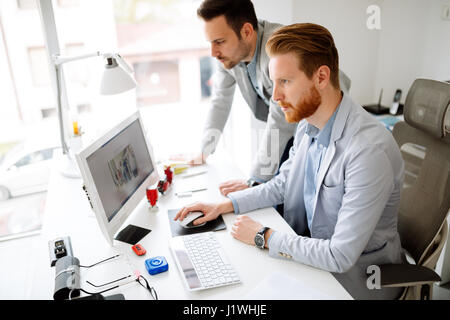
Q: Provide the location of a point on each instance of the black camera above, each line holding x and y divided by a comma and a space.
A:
58, 248
67, 268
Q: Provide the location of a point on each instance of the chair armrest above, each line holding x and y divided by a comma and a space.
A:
405, 275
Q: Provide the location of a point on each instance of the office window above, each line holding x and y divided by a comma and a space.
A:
26, 4
159, 82
39, 66
48, 112
68, 3
25, 137
163, 41
78, 72
206, 73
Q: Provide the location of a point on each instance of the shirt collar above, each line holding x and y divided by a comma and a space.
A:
252, 63
322, 136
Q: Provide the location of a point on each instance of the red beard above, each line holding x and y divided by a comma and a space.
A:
304, 109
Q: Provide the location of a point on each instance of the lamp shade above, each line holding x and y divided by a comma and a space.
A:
115, 79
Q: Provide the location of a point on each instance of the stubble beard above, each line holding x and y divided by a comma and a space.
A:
243, 52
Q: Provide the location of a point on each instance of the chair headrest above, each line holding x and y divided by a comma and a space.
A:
426, 104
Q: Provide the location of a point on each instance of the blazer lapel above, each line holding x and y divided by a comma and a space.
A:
261, 59
336, 133
329, 154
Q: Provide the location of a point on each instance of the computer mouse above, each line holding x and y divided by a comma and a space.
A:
188, 221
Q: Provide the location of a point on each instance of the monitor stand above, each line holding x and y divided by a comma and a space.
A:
132, 234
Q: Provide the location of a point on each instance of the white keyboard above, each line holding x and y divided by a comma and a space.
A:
202, 261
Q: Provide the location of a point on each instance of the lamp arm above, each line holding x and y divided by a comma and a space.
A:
64, 146
58, 60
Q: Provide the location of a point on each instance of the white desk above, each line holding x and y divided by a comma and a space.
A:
68, 213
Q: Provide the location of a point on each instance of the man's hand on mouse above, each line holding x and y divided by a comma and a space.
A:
210, 211
232, 186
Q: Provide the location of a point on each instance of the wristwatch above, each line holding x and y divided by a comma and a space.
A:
252, 183
259, 238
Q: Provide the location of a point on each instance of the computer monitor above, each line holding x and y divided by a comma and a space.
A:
116, 169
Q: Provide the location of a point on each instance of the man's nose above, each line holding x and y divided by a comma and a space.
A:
214, 51
277, 95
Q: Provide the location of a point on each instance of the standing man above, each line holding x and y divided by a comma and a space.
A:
341, 184
237, 41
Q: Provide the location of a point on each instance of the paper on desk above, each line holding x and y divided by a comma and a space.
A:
278, 286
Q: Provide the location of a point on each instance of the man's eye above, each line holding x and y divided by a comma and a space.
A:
284, 81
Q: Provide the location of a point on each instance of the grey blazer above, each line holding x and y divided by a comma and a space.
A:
354, 224
266, 162
224, 85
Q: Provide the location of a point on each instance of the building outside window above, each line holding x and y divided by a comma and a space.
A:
163, 42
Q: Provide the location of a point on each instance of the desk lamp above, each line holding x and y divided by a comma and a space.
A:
117, 78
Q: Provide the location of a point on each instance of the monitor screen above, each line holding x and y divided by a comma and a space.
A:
119, 167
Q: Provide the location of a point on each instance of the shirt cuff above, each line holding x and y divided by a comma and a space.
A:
268, 240
257, 179
235, 205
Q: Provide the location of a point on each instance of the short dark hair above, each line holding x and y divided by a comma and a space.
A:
313, 45
236, 12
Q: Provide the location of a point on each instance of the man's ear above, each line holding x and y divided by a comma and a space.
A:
247, 30
323, 77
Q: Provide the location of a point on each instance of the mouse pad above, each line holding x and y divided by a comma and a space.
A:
132, 234
177, 230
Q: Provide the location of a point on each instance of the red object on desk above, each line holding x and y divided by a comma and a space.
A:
139, 249
152, 196
169, 174
163, 185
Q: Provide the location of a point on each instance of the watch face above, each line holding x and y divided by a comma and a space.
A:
259, 241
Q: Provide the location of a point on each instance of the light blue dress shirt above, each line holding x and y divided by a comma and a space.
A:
355, 214
320, 139
251, 72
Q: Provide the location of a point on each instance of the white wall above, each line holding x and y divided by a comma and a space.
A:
346, 20
280, 11
414, 43
357, 46
436, 58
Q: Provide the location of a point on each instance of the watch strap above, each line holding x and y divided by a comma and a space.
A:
263, 230
252, 183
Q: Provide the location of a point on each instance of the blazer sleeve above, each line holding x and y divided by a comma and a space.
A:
276, 135
369, 182
222, 98
266, 194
